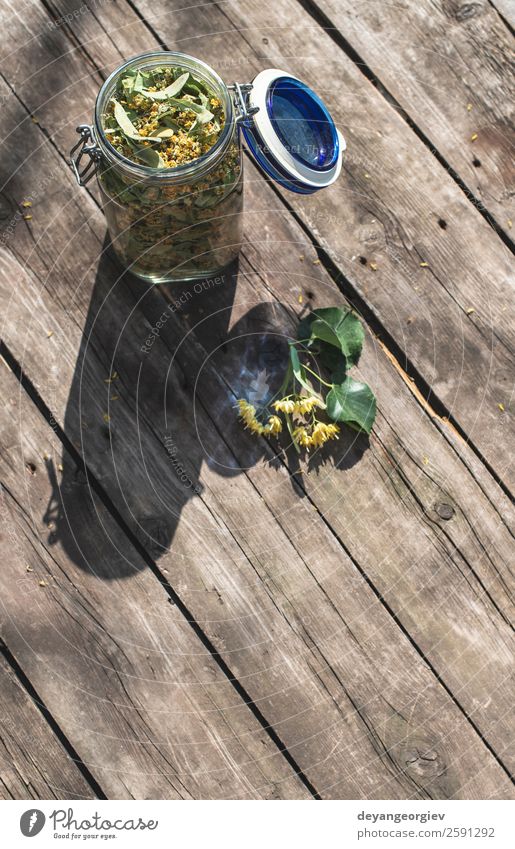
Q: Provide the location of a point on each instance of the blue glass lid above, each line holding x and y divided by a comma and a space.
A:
291, 133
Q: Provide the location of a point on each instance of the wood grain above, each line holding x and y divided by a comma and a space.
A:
506, 9
448, 64
145, 705
203, 560
451, 318
33, 762
272, 554
235, 574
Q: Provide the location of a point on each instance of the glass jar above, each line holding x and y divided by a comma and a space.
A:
181, 223
185, 222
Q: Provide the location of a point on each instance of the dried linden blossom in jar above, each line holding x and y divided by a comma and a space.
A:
163, 117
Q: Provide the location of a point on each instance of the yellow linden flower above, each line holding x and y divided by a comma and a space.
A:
246, 409
247, 412
305, 405
255, 427
322, 432
285, 405
274, 425
302, 437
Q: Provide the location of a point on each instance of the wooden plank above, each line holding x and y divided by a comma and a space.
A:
260, 620
506, 9
336, 662
204, 561
385, 210
431, 560
143, 702
33, 762
460, 343
449, 66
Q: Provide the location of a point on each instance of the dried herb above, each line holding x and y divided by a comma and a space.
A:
164, 110
160, 119
329, 343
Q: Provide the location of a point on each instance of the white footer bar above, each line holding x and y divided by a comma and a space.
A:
258, 825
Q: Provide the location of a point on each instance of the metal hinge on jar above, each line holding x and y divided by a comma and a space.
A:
244, 112
89, 147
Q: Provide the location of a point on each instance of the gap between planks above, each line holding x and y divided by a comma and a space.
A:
367, 579
321, 18
411, 375
36, 399
50, 720
13, 366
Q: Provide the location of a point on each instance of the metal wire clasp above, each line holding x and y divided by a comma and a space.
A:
244, 112
87, 145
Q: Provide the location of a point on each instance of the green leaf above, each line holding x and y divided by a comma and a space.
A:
352, 402
128, 82
193, 107
340, 328
150, 157
207, 198
298, 370
196, 88
201, 119
168, 121
125, 123
166, 93
141, 79
329, 358
162, 134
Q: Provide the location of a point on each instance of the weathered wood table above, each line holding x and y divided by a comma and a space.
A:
187, 612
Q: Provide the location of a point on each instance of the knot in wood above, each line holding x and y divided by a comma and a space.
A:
444, 510
467, 11
424, 763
